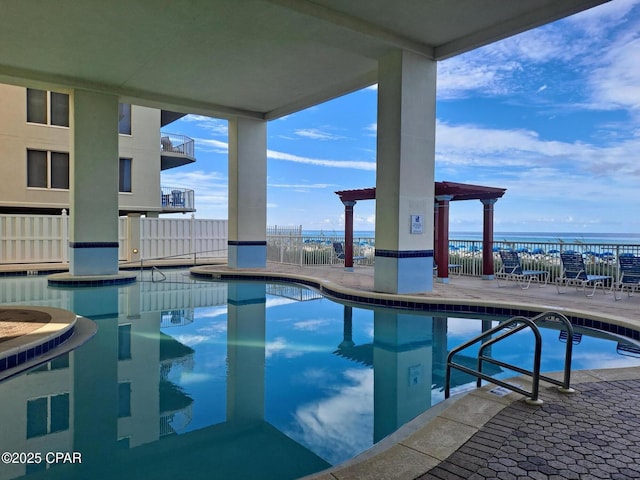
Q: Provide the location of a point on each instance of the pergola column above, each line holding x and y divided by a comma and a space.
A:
487, 238
93, 232
442, 237
247, 193
348, 234
405, 173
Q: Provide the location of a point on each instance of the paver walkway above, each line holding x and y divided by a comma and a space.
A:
593, 434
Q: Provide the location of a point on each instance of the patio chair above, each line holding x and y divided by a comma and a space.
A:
339, 250
512, 270
177, 199
574, 272
629, 278
454, 268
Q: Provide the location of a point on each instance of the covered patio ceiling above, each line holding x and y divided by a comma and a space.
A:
458, 191
254, 58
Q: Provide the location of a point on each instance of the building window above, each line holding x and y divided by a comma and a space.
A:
59, 109
47, 169
124, 118
47, 415
125, 175
58, 363
37, 171
47, 108
37, 106
60, 170
124, 342
124, 399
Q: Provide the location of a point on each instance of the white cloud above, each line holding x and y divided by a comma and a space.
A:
316, 134
472, 145
460, 76
340, 426
303, 185
215, 126
616, 84
505, 67
211, 145
312, 325
372, 130
354, 164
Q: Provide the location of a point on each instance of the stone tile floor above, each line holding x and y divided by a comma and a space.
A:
593, 434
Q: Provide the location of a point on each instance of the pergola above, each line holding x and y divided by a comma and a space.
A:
445, 192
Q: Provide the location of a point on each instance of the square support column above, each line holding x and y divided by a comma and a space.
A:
246, 352
487, 238
247, 193
442, 243
405, 173
94, 167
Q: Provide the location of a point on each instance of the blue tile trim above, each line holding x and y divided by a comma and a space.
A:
247, 242
24, 273
94, 244
241, 303
403, 253
91, 283
24, 356
425, 307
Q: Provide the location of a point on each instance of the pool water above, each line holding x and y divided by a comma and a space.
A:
194, 379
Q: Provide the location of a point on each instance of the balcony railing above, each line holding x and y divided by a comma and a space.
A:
172, 143
177, 199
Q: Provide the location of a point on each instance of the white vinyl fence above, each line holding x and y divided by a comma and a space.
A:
45, 238
183, 238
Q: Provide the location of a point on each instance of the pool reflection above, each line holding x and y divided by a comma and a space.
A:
197, 379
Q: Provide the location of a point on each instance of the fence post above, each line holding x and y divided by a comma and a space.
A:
65, 236
134, 236
192, 233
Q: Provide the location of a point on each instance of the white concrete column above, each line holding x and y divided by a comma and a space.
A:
402, 369
93, 237
405, 173
247, 193
246, 331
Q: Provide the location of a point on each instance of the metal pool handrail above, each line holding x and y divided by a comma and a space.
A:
506, 329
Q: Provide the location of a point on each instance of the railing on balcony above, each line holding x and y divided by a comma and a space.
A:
178, 199
181, 144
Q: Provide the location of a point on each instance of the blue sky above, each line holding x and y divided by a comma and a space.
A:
552, 114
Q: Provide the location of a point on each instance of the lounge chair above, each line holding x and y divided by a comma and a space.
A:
339, 250
629, 278
574, 272
454, 268
512, 270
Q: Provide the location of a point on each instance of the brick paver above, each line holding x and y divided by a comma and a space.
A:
591, 434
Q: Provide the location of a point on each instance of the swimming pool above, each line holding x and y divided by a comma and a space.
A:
242, 379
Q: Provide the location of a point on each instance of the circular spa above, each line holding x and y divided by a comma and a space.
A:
32, 334
247, 379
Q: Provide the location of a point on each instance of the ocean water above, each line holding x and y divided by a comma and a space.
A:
516, 237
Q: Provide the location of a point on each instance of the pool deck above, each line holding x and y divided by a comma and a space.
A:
489, 433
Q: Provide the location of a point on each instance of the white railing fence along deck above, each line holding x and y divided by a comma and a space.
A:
45, 238
600, 258
315, 249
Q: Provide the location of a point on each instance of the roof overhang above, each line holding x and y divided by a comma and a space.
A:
254, 58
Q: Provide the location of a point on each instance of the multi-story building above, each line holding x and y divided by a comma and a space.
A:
35, 146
